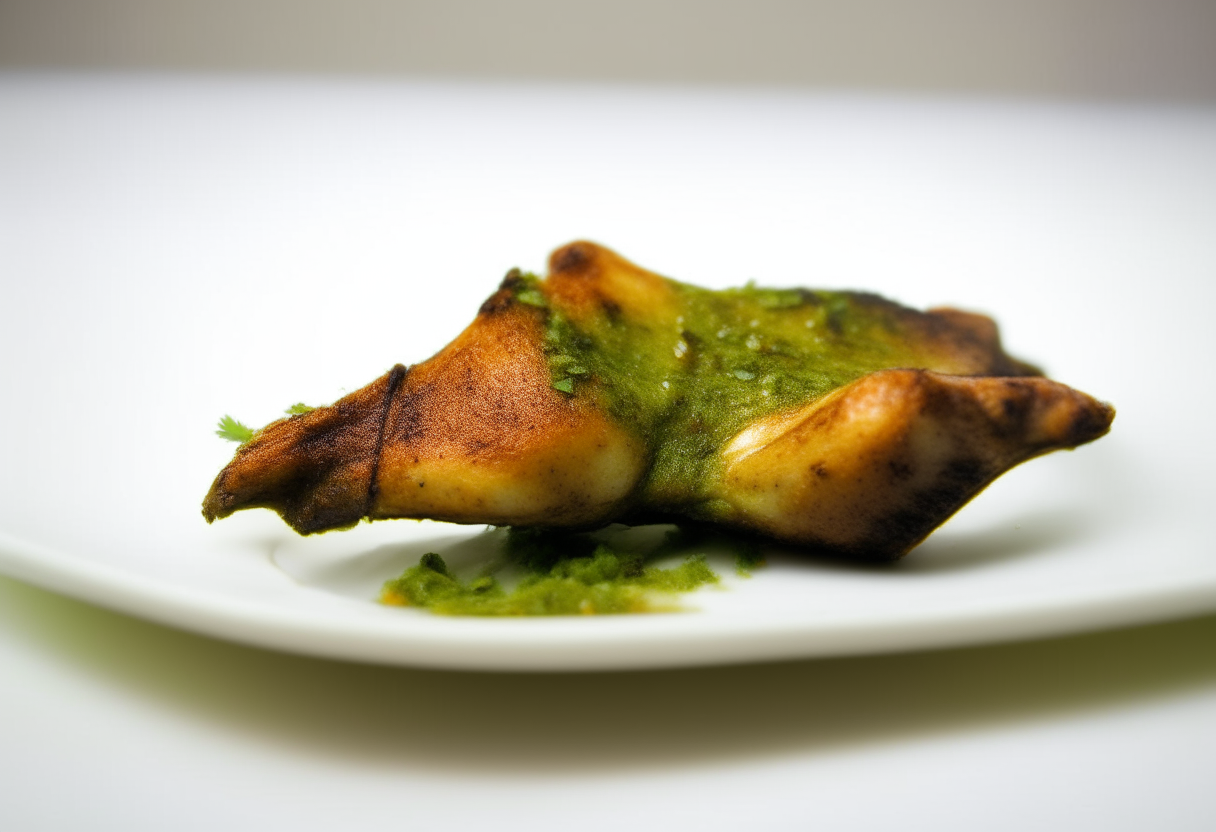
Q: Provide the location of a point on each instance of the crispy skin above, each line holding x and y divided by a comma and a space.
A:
474, 435
872, 469
478, 434
586, 280
316, 469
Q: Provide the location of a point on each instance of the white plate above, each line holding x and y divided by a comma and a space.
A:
173, 250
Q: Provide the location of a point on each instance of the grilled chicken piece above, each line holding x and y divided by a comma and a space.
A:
606, 393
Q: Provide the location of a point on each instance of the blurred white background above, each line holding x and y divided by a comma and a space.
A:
1059, 48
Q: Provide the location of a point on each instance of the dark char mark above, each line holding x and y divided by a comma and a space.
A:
572, 258
396, 376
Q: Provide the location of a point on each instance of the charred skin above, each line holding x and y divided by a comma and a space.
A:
869, 471
479, 433
474, 435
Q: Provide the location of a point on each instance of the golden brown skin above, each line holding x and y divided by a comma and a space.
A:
872, 469
474, 435
478, 434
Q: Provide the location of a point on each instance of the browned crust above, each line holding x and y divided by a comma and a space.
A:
479, 414
872, 469
485, 397
586, 279
974, 341
315, 469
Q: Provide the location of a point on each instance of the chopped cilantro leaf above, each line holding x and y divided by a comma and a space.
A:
234, 431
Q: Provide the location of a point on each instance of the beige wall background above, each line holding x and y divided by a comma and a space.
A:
1122, 49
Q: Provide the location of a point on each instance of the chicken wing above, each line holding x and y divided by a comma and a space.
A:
606, 393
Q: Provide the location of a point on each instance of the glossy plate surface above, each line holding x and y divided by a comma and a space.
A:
173, 250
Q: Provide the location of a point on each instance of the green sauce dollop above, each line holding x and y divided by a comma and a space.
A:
564, 574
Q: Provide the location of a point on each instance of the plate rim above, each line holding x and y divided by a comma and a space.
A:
535, 645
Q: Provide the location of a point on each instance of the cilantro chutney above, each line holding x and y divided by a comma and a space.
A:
560, 573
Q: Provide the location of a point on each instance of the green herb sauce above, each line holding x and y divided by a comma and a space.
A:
559, 573
688, 382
